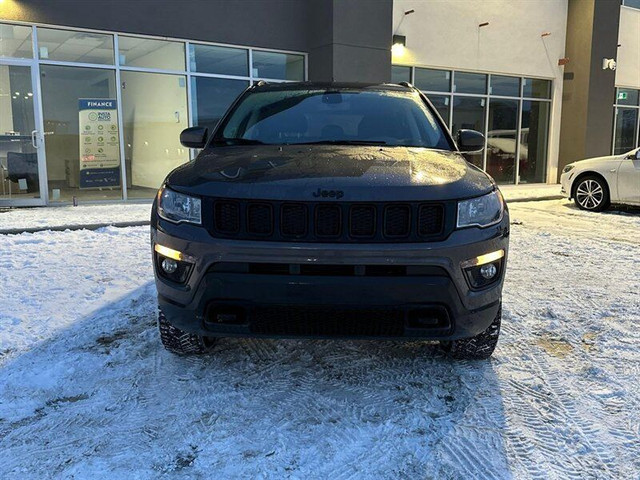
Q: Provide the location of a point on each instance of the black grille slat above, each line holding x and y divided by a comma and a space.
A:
328, 220
430, 220
397, 220
362, 221
227, 216
259, 218
294, 220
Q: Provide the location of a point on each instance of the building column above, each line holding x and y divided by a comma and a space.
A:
588, 89
350, 40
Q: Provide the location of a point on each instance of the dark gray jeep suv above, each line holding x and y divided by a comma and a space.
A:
330, 210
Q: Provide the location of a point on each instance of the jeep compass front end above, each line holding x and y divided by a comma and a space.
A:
330, 210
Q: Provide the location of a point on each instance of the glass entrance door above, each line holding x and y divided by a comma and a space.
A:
20, 139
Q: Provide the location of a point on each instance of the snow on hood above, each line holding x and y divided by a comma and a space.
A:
362, 173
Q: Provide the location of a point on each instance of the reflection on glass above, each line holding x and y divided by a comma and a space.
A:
626, 127
536, 88
211, 97
154, 113
73, 46
81, 161
400, 74
441, 104
533, 141
15, 41
627, 96
468, 112
280, 66
505, 86
501, 140
432, 80
148, 53
18, 157
470, 82
220, 60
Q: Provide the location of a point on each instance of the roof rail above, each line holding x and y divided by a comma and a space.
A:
406, 84
260, 83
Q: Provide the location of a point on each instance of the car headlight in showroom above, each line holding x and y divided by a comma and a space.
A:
568, 168
481, 211
178, 207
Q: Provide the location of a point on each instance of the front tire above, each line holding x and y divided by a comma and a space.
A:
592, 194
481, 346
180, 342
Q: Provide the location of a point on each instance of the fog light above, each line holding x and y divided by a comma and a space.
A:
169, 265
488, 271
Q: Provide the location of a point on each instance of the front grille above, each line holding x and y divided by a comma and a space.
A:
227, 217
327, 321
259, 219
332, 222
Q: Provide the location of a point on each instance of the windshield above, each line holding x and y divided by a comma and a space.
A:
344, 116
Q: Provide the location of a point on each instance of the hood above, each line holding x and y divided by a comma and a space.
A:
329, 172
597, 160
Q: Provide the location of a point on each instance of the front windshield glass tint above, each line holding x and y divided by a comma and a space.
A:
345, 116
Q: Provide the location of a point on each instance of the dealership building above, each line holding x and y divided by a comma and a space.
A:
94, 94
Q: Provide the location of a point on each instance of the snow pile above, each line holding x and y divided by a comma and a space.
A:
86, 390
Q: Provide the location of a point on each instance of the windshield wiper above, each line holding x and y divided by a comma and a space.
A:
237, 141
343, 142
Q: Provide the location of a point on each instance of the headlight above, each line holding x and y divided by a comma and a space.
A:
481, 211
568, 168
178, 207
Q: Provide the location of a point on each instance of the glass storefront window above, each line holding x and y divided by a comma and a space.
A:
468, 112
441, 104
505, 86
469, 82
154, 110
534, 137
220, 60
82, 142
502, 140
627, 96
211, 97
432, 80
626, 127
73, 46
536, 88
19, 177
149, 53
400, 74
278, 66
15, 41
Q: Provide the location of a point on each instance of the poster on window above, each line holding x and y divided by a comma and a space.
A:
99, 143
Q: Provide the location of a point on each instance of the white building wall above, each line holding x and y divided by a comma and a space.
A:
628, 71
446, 34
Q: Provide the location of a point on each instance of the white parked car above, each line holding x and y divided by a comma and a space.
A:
596, 183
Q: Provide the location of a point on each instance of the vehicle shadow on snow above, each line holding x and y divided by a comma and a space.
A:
105, 393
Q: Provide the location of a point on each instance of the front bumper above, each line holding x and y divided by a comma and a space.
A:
436, 288
565, 183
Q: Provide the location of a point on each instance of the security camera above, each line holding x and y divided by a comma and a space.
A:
609, 64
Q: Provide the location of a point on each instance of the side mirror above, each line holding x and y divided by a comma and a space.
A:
194, 137
637, 155
470, 141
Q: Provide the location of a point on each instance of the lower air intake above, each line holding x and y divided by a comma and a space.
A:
327, 321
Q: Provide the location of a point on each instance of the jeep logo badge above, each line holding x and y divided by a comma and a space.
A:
337, 194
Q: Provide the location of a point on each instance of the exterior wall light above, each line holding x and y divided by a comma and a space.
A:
399, 44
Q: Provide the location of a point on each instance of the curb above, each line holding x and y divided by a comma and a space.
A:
62, 228
548, 197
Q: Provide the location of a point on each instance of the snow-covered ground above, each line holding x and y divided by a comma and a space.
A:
86, 390
47, 217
